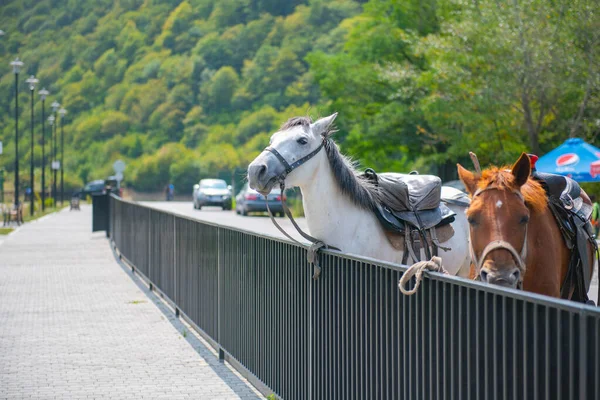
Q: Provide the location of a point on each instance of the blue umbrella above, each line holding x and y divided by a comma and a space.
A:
574, 158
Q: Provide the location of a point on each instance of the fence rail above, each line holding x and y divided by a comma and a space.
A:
351, 334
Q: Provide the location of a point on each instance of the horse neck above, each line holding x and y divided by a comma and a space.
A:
331, 215
548, 256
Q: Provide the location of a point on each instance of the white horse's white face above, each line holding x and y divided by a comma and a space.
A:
292, 144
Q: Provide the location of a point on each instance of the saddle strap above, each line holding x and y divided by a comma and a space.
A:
416, 239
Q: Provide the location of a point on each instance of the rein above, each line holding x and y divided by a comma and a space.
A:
502, 245
316, 243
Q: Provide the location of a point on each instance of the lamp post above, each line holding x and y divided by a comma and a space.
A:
16, 64
43, 93
32, 81
51, 120
55, 106
62, 113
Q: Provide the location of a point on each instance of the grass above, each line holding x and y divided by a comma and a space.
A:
6, 231
295, 205
136, 302
38, 213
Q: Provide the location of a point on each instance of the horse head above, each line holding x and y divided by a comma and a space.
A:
290, 156
502, 203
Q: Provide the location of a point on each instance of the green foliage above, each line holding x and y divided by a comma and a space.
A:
186, 89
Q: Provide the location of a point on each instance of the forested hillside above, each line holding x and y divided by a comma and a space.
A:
186, 89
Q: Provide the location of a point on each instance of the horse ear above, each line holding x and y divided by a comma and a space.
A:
521, 169
468, 178
320, 126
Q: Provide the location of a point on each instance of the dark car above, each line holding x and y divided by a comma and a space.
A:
212, 192
249, 200
112, 184
93, 188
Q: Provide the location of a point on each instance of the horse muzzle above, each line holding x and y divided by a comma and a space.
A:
261, 177
506, 277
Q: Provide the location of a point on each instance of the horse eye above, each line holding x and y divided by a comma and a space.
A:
302, 140
472, 221
524, 219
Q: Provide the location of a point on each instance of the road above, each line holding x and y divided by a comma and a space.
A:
254, 223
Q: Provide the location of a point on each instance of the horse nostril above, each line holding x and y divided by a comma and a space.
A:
515, 276
262, 171
484, 275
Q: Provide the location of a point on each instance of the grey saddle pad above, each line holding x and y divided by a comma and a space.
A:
407, 192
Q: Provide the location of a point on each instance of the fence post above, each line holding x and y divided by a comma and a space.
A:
311, 350
108, 221
583, 356
149, 243
175, 291
219, 289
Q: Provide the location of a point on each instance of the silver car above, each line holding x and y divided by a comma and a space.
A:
212, 192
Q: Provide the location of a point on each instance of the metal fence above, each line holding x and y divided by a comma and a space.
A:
351, 334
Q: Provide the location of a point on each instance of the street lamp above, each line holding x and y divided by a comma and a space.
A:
55, 105
43, 93
62, 113
51, 120
16, 64
32, 81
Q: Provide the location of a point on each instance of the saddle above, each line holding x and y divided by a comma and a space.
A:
566, 190
411, 212
572, 214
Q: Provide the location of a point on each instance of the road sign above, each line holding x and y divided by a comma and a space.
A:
55, 165
0, 147
119, 176
119, 166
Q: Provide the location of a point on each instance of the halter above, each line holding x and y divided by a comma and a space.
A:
289, 168
502, 245
316, 243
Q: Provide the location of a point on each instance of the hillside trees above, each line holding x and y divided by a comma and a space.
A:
187, 89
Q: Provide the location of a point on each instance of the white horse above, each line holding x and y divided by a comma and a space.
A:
338, 204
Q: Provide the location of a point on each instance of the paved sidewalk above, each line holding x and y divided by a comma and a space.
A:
75, 325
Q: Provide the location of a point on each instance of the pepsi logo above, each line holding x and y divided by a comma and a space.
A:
567, 159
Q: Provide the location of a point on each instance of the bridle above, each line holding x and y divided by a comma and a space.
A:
316, 243
290, 167
502, 245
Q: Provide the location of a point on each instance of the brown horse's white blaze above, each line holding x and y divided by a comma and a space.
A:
514, 237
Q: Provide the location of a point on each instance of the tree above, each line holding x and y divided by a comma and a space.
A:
217, 94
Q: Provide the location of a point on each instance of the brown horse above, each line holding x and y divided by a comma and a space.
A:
515, 240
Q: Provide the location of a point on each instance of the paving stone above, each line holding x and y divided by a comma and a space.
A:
75, 324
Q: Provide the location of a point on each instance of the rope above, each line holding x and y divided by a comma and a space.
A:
416, 270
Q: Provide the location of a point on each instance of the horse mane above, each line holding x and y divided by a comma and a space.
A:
296, 121
502, 177
362, 191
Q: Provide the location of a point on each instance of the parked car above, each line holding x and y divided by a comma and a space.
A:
112, 184
457, 184
93, 188
98, 187
212, 192
249, 200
